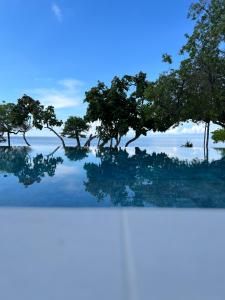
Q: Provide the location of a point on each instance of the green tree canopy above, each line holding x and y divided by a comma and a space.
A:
218, 135
75, 127
7, 117
204, 67
111, 107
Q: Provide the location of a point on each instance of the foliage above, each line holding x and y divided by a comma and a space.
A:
112, 107
167, 58
165, 96
47, 119
7, 123
7, 120
75, 127
218, 135
204, 69
28, 110
141, 120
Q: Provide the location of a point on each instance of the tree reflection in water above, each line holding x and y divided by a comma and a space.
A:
76, 153
155, 180
121, 179
17, 161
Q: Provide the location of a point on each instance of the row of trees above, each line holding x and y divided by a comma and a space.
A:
195, 91
26, 114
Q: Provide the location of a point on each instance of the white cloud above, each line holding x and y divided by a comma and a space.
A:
63, 170
187, 129
71, 84
57, 12
67, 93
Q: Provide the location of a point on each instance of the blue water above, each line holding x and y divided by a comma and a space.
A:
158, 173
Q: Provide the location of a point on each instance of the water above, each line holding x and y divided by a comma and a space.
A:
159, 173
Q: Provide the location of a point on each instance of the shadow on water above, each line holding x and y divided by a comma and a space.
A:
121, 179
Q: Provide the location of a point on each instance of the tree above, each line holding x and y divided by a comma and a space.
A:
218, 135
30, 112
49, 120
7, 124
140, 118
206, 63
110, 106
22, 121
166, 100
75, 127
120, 108
96, 110
27, 113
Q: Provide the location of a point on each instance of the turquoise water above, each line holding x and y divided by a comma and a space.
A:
158, 174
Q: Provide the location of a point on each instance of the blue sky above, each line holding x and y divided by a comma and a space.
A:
55, 50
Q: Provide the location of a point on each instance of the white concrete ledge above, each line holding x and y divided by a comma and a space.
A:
132, 254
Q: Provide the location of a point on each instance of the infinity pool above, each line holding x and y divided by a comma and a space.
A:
49, 176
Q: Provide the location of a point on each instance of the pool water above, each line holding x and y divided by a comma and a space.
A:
50, 176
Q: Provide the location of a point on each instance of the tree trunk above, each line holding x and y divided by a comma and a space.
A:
25, 140
88, 142
53, 152
99, 141
118, 141
102, 144
207, 135
132, 140
78, 140
9, 141
111, 142
206, 139
59, 136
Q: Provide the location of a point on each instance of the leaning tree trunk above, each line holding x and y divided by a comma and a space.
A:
59, 136
103, 144
53, 152
99, 141
25, 140
88, 142
132, 140
9, 141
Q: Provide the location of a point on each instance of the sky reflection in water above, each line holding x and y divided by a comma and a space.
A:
140, 177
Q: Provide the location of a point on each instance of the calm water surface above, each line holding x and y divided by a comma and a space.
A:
158, 174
